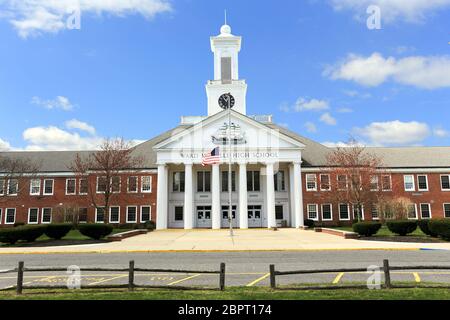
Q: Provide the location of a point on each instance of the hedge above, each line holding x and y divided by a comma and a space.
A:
425, 227
441, 227
58, 231
95, 230
402, 227
309, 223
26, 233
367, 229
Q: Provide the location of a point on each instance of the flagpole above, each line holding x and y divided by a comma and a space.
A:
230, 208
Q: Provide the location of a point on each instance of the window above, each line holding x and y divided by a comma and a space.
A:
13, 187
82, 215
253, 181
101, 184
386, 183
146, 184
10, 217
445, 183
312, 212
116, 183
412, 211
447, 210
375, 214
132, 184
425, 210
179, 213
342, 182
131, 214
48, 187
422, 182
225, 181
325, 183
84, 187
355, 211
71, 186
203, 181
279, 213
178, 182
114, 214
2, 188
311, 182
1, 217
279, 181
344, 212
46, 215
374, 183
409, 183
99, 215
146, 213
388, 212
33, 215
327, 212
35, 187
225, 210
225, 63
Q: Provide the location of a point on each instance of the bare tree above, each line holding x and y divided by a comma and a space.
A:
357, 176
102, 171
14, 173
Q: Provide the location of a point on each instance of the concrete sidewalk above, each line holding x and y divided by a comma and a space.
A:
220, 240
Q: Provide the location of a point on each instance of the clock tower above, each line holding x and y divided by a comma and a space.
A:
226, 81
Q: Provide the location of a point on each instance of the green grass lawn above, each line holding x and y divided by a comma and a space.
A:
233, 294
384, 231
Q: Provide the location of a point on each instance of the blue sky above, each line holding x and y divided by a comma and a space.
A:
135, 67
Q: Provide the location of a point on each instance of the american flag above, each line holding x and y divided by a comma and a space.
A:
212, 158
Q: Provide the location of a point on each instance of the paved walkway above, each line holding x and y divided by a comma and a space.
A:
220, 240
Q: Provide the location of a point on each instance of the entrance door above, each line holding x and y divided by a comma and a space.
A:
225, 217
279, 216
204, 217
254, 216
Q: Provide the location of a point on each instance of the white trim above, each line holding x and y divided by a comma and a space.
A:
150, 213
413, 182
315, 182
96, 187
317, 211
136, 214
112, 184
53, 187
8, 185
1, 216
42, 216
331, 211
29, 215
329, 182
137, 184
62, 174
348, 211
443, 206
416, 211
142, 184
362, 212
346, 182
440, 181
429, 209
6, 215
377, 182
79, 186
371, 212
75, 187
418, 182
390, 183
31, 187
96, 215
391, 170
118, 217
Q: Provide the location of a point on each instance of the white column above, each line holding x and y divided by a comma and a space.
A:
162, 199
292, 196
188, 198
243, 206
298, 196
215, 189
270, 197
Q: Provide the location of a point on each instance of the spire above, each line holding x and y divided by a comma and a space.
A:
225, 16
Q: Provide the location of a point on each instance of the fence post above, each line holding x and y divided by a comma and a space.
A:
222, 277
273, 284
131, 276
387, 274
19, 278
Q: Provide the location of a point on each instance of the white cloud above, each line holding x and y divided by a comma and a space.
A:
303, 104
284, 107
440, 132
345, 110
83, 126
328, 119
341, 144
60, 102
4, 145
310, 127
391, 10
430, 72
395, 133
34, 17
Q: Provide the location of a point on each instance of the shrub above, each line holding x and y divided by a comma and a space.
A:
150, 225
367, 229
309, 223
402, 227
58, 231
19, 224
10, 235
425, 227
95, 231
31, 233
441, 227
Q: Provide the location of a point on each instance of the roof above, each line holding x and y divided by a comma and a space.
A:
413, 157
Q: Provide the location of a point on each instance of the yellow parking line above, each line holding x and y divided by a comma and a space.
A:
106, 280
416, 277
338, 278
184, 279
251, 284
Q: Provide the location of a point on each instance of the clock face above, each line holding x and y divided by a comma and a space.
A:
226, 101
